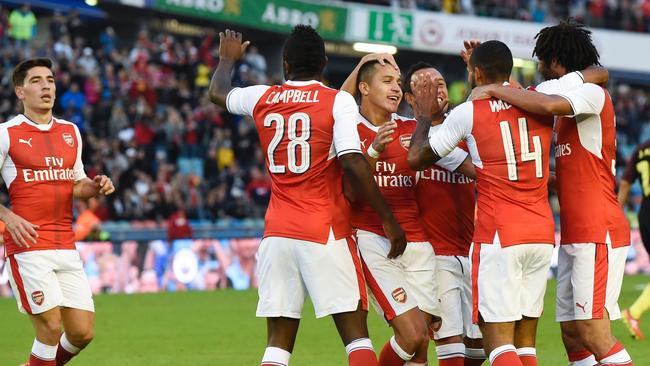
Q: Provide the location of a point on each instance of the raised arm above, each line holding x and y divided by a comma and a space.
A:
425, 107
596, 75
531, 101
350, 84
231, 49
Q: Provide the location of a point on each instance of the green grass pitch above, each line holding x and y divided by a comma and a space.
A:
219, 328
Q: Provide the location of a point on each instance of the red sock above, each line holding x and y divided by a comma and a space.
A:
388, 356
617, 356
454, 361
473, 362
528, 360
362, 358
63, 356
505, 355
35, 361
579, 356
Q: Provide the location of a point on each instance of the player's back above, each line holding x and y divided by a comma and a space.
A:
585, 159
295, 122
511, 150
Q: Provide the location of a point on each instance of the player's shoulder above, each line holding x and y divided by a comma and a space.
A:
464, 109
13, 122
403, 119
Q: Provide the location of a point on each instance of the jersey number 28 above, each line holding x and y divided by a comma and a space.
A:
295, 141
526, 154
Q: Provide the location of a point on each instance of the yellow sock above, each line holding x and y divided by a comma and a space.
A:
641, 304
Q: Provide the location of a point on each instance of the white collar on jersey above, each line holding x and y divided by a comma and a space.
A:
364, 121
302, 82
40, 126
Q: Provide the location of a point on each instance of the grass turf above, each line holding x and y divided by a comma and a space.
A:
219, 328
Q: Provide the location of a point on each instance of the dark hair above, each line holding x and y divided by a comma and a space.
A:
304, 52
20, 71
406, 81
494, 59
569, 44
366, 71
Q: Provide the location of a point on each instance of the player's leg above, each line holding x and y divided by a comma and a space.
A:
79, 330
474, 352
281, 297
353, 329
333, 278
420, 269
596, 276
577, 354
536, 259
395, 300
32, 279
450, 348
78, 308
631, 317
496, 299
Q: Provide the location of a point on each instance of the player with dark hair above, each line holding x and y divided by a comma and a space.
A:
308, 133
514, 230
40, 162
595, 232
403, 288
449, 225
638, 167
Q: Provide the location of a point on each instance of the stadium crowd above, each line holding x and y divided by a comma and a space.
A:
629, 15
141, 105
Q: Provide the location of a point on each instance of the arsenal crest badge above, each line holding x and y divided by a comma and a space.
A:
405, 141
68, 139
38, 297
399, 295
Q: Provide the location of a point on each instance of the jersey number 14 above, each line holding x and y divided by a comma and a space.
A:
526, 154
295, 141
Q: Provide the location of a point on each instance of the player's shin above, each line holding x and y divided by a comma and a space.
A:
274, 356
393, 355
451, 354
361, 353
505, 355
616, 356
66, 351
42, 354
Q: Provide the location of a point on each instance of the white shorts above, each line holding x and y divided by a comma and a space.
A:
401, 284
509, 283
291, 269
45, 279
455, 297
589, 280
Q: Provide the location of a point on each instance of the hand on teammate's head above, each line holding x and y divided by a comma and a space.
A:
469, 45
427, 102
231, 46
382, 58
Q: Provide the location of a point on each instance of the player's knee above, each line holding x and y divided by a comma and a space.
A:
49, 330
82, 337
413, 338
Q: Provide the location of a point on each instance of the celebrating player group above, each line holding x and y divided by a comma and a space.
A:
441, 220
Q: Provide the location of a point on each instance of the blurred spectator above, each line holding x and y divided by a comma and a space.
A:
22, 25
178, 227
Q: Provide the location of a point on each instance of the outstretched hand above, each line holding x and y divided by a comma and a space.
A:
427, 102
231, 46
470, 46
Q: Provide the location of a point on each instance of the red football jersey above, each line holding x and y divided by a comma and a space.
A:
40, 164
396, 181
447, 201
586, 159
510, 150
302, 127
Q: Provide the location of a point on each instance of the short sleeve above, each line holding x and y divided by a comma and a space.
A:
452, 161
346, 135
456, 127
585, 99
79, 172
567, 82
630, 174
242, 101
4, 145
